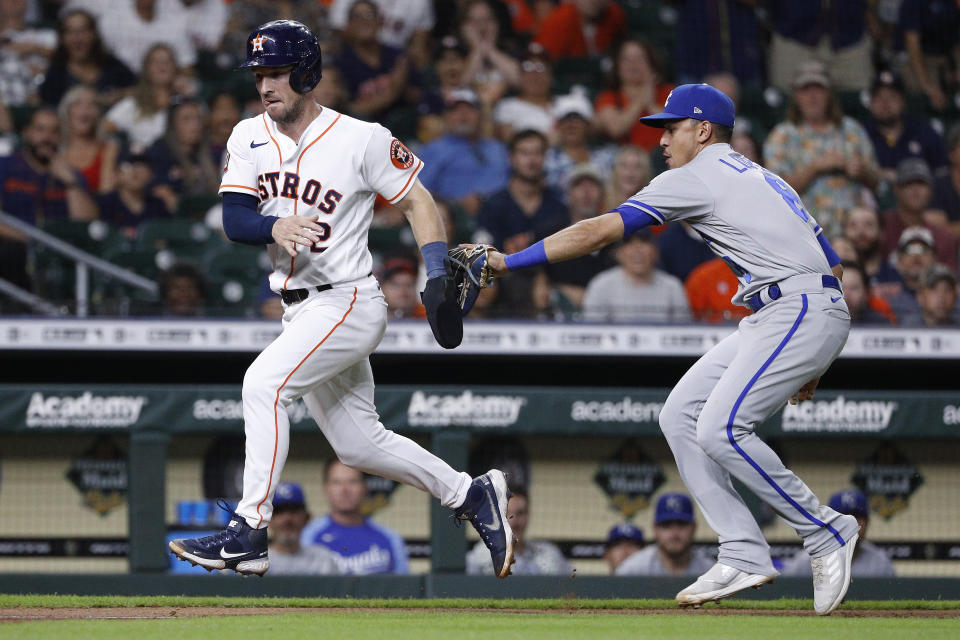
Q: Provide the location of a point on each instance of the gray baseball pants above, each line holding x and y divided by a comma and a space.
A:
710, 417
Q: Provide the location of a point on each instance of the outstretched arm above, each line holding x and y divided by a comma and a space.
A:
577, 240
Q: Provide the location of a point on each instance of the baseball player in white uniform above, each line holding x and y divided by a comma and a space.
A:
790, 276
302, 179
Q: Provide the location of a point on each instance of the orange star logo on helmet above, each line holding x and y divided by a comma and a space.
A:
257, 43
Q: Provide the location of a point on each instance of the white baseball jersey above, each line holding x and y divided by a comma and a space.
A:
335, 171
748, 215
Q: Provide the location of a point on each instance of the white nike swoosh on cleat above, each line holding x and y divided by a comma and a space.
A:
495, 525
227, 555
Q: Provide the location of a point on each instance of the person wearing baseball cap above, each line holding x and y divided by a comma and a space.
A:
573, 115
287, 556
937, 298
914, 191
623, 540
869, 560
673, 554
895, 134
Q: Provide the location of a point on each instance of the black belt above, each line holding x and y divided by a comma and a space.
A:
829, 282
292, 296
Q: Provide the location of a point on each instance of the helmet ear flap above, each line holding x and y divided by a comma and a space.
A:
307, 73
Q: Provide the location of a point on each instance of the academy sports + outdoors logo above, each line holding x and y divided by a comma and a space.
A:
85, 410
839, 415
626, 410
229, 409
465, 409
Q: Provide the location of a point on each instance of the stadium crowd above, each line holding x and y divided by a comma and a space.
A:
114, 117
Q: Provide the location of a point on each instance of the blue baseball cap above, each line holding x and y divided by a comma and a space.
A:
697, 101
672, 507
625, 532
289, 494
850, 502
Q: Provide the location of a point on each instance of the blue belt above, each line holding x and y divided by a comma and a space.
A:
773, 291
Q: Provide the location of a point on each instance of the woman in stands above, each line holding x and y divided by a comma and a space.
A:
142, 116
631, 172
638, 90
82, 145
81, 58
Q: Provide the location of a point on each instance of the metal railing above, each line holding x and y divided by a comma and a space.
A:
84, 263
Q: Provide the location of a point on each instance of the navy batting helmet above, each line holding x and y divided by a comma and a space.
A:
284, 43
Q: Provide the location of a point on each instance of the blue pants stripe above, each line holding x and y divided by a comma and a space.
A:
751, 461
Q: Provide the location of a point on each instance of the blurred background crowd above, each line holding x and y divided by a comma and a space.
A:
114, 117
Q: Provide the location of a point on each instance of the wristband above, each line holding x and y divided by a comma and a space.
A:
434, 254
532, 256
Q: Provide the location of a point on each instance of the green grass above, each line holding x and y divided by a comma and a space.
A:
424, 625
446, 603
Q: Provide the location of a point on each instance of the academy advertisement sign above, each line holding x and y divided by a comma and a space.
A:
840, 415
464, 409
86, 410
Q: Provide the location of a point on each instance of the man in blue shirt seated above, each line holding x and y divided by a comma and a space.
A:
463, 166
361, 546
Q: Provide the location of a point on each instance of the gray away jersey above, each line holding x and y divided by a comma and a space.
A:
748, 216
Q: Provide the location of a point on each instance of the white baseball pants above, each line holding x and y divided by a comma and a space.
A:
710, 416
322, 356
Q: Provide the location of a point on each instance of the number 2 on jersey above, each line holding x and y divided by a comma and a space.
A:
773, 180
322, 236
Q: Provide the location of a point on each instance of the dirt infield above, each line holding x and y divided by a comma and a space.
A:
29, 614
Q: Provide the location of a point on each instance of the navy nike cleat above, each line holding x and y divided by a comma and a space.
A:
486, 509
239, 547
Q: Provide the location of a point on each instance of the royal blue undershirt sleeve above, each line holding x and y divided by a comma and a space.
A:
832, 258
242, 222
634, 219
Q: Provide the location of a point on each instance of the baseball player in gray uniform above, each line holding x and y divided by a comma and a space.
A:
790, 276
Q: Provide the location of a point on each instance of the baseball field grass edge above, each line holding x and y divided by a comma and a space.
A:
65, 601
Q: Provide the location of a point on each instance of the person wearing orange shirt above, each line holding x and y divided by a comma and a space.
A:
582, 28
638, 91
709, 289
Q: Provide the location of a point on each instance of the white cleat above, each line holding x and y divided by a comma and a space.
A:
721, 581
831, 577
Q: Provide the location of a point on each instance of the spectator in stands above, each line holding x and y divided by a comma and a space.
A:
623, 541
464, 166
928, 29
224, 115
206, 22
825, 156
533, 557
682, 250
449, 66
863, 229
24, 54
582, 28
638, 90
714, 37
83, 146
631, 173
142, 116
363, 547
915, 255
531, 107
526, 210
135, 27
636, 291
81, 58
833, 33
673, 554
184, 162
330, 91
869, 560
710, 287
399, 286
287, 555
527, 16
914, 193
573, 114
491, 69
844, 248
937, 298
406, 25
131, 203
585, 194
946, 187
377, 78
895, 135
38, 186
745, 130
865, 308
183, 291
